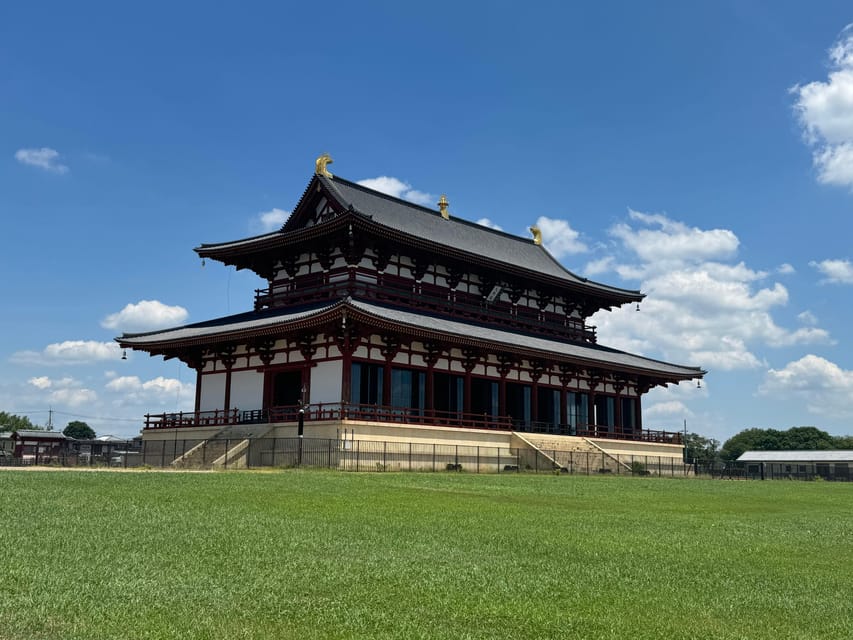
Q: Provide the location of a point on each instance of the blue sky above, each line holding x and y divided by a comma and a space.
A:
702, 153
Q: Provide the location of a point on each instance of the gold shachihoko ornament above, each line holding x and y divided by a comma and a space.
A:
320, 165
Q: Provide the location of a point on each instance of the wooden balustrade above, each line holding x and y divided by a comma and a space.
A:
400, 415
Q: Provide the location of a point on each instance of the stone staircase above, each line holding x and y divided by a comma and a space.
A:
226, 449
570, 454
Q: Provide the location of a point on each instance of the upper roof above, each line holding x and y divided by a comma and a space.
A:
426, 227
796, 456
267, 322
37, 433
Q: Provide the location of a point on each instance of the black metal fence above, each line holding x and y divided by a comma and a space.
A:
832, 471
371, 455
345, 455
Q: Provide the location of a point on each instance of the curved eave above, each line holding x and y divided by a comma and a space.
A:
171, 343
244, 254
463, 338
205, 334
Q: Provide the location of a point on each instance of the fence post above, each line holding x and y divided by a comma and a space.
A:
329, 457
499, 459
410, 455
385, 455
478, 458
357, 456
433, 457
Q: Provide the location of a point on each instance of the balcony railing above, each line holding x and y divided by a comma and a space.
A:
429, 298
399, 415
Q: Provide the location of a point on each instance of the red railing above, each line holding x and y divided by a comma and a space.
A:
400, 415
216, 418
430, 298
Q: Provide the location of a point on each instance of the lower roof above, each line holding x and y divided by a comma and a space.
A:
267, 323
796, 456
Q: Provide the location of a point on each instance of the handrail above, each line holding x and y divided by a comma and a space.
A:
392, 414
464, 304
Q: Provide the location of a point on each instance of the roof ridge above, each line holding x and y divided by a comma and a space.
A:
479, 227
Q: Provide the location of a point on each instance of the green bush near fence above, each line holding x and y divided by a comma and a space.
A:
318, 554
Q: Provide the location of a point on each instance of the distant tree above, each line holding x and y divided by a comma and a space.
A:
701, 449
807, 438
795, 438
79, 430
11, 422
751, 440
844, 442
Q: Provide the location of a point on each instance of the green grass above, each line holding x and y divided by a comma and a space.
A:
300, 554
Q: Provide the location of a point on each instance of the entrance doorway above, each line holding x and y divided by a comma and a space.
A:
283, 389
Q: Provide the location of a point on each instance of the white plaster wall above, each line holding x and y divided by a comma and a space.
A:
247, 390
326, 381
212, 392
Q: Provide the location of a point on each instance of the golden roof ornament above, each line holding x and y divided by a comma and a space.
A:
537, 235
320, 166
442, 207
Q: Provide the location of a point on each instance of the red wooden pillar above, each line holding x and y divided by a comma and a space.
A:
227, 402
470, 359
432, 352
198, 377
466, 401
346, 376
428, 389
504, 367
386, 383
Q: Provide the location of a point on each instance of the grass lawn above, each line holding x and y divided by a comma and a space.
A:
306, 554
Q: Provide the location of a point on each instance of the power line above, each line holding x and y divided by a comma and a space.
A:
75, 415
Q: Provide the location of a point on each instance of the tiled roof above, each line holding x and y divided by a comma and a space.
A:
593, 354
796, 456
425, 224
588, 352
229, 324
457, 233
37, 433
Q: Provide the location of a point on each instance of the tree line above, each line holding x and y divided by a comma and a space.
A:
708, 451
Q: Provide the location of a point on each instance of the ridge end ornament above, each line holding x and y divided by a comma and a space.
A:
443, 203
320, 165
537, 235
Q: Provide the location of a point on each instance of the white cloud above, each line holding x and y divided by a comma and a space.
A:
145, 315
271, 220
66, 391
485, 222
41, 382
825, 112
600, 266
398, 189
73, 397
69, 352
668, 409
807, 317
157, 391
836, 271
671, 240
703, 307
559, 238
785, 269
44, 158
823, 386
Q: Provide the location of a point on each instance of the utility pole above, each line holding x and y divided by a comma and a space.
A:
49, 419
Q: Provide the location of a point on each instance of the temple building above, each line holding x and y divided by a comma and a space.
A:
382, 319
